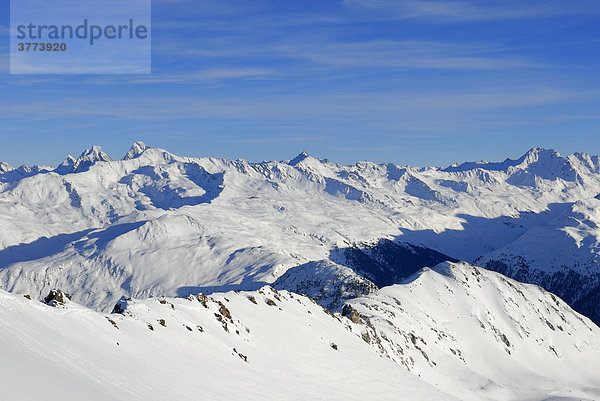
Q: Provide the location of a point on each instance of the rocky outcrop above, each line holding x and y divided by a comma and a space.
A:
57, 298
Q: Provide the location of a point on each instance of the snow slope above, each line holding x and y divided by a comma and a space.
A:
230, 347
451, 332
158, 224
479, 335
562, 255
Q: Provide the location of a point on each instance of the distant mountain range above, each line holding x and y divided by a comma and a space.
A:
157, 224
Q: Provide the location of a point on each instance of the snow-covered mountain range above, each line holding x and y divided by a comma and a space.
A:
157, 224
378, 243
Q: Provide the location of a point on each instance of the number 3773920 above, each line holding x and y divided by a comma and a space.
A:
41, 47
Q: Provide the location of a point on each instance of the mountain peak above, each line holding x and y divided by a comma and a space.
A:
87, 158
536, 154
94, 154
90, 157
67, 165
69, 160
136, 149
538, 150
302, 156
533, 155
5, 167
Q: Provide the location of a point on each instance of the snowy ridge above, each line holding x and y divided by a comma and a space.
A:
479, 335
10, 174
88, 158
451, 331
544, 163
569, 266
250, 346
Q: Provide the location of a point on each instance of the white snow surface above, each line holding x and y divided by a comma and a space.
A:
154, 224
451, 332
280, 352
158, 224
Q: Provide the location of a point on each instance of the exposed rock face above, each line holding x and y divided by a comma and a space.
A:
351, 313
57, 298
224, 311
203, 299
121, 306
118, 309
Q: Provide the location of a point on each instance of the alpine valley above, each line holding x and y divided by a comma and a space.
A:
177, 278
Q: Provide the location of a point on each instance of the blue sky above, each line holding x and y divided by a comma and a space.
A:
411, 82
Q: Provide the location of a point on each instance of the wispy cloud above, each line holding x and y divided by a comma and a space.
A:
465, 10
270, 139
360, 149
345, 107
401, 54
207, 76
307, 56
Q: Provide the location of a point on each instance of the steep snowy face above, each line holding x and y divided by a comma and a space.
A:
298, 159
234, 346
479, 335
546, 164
158, 224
